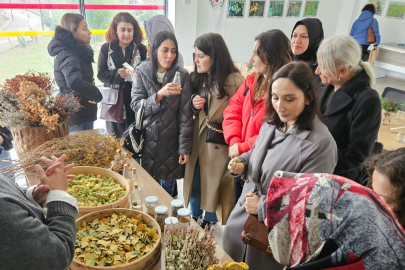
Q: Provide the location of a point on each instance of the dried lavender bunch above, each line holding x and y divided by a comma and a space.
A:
187, 251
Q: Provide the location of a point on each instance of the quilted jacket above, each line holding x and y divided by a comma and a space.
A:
168, 125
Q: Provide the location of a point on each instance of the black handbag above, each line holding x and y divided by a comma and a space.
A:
215, 133
134, 135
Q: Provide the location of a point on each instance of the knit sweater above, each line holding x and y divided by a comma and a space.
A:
29, 240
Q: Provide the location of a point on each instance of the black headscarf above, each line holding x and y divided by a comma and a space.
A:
315, 33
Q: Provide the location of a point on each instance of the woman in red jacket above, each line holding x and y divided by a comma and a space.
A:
243, 116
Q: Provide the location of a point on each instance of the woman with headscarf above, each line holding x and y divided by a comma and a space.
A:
324, 221
160, 23
306, 36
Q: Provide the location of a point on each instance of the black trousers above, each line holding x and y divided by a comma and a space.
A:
365, 54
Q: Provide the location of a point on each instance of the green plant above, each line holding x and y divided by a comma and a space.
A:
388, 105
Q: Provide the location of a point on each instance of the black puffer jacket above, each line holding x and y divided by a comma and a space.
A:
73, 71
168, 125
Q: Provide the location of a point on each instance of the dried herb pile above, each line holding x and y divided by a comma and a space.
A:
187, 251
81, 148
31, 100
230, 266
114, 240
92, 190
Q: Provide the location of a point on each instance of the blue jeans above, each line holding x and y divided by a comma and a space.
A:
86, 126
170, 185
195, 199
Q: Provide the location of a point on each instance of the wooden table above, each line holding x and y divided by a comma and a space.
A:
150, 187
388, 137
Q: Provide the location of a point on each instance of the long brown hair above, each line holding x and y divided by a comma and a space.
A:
111, 34
273, 50
392, 166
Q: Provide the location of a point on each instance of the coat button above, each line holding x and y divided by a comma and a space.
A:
240, 203
247, 181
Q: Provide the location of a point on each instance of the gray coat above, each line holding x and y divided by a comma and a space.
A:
307, 151
168, 125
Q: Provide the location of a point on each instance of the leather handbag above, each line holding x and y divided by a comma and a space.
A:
255, 234
134, 135
112, 105
215, 133
370, 33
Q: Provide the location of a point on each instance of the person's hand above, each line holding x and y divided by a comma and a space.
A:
55, 177
122, 73
92, 102
51, 161
235, 166
252, 203
1, 140
131, 73
198, 102
183, 159
40, 193
169, 89
233, 150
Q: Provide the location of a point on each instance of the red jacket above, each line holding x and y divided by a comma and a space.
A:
242, 118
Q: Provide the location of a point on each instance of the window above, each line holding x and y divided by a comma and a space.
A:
26, 28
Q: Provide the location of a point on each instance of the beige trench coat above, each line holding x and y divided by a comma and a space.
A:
216, 181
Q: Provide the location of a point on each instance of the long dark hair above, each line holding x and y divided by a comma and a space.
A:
214, 46
273, 50
111, 34
301, 75
392, 166
159, 38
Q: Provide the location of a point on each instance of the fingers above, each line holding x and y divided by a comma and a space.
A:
68, 167
92, 102
41, 173
47, 161
71, 176
250, 194
52, 168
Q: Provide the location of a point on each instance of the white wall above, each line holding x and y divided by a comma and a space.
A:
198, 17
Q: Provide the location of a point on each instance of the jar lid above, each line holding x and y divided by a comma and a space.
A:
177, 203
171, 220
161, 209
183, 212
151, 199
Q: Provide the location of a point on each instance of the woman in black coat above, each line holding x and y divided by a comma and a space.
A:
73, 68
123, 45
350, 105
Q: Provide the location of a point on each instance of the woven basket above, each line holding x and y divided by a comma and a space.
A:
29, 138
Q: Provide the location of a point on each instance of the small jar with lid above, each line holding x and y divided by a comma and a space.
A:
151, 202
161, 215
184, 217
170, 221
176, 205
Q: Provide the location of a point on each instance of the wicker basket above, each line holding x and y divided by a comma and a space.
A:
29, 138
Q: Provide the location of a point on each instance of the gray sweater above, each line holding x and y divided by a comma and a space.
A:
29, 240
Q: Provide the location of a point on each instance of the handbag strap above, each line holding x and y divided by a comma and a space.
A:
372, 24
206, 113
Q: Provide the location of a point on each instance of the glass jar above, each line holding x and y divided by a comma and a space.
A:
176, 205
161, 215
184, 217
170, 221
151, 202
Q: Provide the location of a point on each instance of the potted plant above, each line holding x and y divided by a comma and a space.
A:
388, 108
34, 110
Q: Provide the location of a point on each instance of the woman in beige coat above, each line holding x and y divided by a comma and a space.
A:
214, 81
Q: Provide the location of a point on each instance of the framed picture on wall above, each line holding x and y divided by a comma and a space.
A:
256, 8
311, 8
235, 9
294, 8
396, 10
379, 6
276, 9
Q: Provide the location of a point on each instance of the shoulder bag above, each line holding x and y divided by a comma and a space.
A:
370, 33
134, 135
255, 234
215, 133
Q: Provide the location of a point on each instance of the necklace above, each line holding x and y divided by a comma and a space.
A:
283, 127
